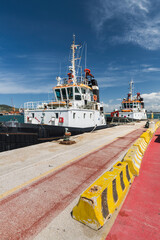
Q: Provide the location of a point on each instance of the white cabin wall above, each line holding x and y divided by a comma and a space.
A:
91, 119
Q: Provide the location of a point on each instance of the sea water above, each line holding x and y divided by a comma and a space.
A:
5, 118
155, 115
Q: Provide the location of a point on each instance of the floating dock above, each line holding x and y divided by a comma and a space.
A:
40, 184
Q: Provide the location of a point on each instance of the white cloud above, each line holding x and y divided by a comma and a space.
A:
151, 97
151, 69
10, 87
18, 83
36, 74
106, 10
152, 101
146, 33
110, 107
138, 19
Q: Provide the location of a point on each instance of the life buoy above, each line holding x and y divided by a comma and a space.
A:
95, 97
61, 119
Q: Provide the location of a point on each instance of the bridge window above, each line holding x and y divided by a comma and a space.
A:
58, 94
64, 93
76, 90
77, 97
70, 92
83, 90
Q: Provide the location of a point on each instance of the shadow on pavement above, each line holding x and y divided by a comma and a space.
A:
157, 139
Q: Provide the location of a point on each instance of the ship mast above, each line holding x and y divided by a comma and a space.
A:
131, 89
73, 47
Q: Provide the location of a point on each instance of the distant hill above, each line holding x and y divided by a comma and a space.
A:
6, 108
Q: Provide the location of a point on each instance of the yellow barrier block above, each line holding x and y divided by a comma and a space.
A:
141, 144
157, 124
146, 136
99, 201
150, 132
133, 157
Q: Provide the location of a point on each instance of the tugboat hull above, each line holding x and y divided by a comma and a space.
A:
15, 135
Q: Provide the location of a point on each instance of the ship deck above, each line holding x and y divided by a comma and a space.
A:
40, 184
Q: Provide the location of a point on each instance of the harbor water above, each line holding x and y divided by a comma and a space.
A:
5, 118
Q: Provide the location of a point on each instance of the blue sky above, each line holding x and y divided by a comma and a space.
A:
123, 42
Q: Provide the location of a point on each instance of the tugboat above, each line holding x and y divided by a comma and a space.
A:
76, 102
132, 107
76, 106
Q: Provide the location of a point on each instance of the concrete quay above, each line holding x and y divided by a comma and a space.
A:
40, 184
139, 217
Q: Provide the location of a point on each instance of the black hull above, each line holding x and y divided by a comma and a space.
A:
15, 135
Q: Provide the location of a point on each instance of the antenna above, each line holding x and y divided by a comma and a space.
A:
73, 38
73, 59
60, 68
85, 55
131, 88
79, 57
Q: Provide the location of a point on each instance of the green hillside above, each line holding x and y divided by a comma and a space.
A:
7, 108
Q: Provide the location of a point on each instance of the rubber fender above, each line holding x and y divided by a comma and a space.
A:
98, 202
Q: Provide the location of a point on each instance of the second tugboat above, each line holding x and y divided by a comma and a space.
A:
132, 107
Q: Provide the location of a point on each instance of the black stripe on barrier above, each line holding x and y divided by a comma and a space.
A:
114, 188
122, 182
105, 210
127, 173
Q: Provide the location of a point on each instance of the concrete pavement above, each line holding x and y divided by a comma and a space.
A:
40, 183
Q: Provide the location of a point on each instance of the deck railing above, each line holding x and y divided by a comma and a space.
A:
36, 105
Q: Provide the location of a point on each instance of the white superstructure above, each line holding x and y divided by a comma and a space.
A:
76, 102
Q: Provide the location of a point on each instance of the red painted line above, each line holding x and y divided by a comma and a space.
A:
25, 213
139, 217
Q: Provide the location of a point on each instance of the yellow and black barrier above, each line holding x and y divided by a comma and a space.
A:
133, 157
99, 201
146, 137
141, 144
157, 124
150, 132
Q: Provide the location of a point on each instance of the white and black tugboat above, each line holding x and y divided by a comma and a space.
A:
132, 107
76, 106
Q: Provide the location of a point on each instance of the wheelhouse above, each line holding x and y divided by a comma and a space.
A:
132, 105
73, 93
